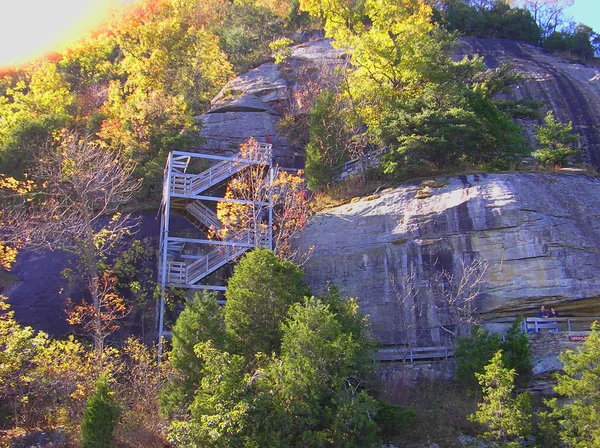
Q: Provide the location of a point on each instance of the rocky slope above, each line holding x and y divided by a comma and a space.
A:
254, 103
571, 90
538, 235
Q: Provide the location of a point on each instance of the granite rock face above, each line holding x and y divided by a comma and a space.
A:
538, 234
252, 104
571, 90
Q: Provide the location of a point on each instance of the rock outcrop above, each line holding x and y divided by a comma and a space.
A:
571, 90
252, 104
538, 235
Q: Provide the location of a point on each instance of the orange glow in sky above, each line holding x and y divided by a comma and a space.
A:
32, 28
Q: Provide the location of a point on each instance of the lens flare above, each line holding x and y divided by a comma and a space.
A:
32, 28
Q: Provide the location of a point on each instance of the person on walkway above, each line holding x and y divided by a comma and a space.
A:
542, 312
552, 313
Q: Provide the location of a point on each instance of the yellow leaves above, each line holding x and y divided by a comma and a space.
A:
8, 256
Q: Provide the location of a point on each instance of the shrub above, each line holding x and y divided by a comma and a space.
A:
392, 419
100, 417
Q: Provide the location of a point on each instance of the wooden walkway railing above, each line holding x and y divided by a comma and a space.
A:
404, 354
539, 324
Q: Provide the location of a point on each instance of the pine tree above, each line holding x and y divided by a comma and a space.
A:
100, 417
505, 417
556, 140
579, 418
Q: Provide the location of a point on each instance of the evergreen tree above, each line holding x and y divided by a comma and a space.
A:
556, 141
326, 147
100, 417
472, 354
202, 320
516, 351
505, 417
579, 417
259, 294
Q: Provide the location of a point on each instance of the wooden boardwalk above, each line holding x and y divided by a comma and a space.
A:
404, 354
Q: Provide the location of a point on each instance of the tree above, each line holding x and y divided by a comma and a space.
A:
321, 398
327, 146
77, 186
556, 141
430, 111
549, 14
580, 383
516, 353
201, 320
472, 354
506, 417
475, 352
259, 294
100, 417
458, 294
100, 319
287, 196
313, 394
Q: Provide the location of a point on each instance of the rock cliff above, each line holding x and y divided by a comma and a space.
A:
536, 235
571, 90
254, 103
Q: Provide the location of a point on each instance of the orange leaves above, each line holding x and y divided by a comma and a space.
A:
100, 320
289, 199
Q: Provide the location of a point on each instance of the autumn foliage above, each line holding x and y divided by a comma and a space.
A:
287, 194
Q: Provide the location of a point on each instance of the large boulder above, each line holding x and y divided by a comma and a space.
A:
538, 235
252, 104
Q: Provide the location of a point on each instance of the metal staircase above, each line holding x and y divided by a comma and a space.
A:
187, 262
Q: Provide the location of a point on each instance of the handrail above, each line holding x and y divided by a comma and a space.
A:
413, 354
191, 273
202, 213
193, 184
539, 323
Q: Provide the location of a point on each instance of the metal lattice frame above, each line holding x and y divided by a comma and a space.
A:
188, 192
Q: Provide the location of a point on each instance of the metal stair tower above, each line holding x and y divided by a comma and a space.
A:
187, 194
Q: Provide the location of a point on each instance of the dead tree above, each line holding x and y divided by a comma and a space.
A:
457, 295
77, 186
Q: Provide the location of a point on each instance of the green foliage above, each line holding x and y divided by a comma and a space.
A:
494, 19
202, 320
556, 141
281, 50
392, 419
327, 147
100, 417
259, 294
516, 351
475, 352
19, 348
312, 395
505, 417
472, 354
578, 417
578, 45
246, 32
520, 108
403, 85
309, 387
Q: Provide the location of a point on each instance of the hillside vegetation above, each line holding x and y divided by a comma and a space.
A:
84, 134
